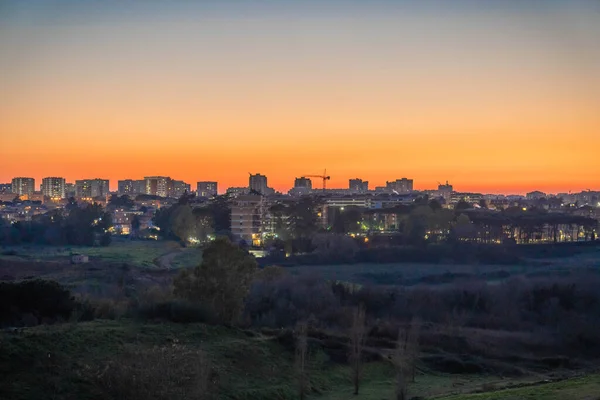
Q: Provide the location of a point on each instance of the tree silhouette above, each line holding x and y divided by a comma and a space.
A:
221, 281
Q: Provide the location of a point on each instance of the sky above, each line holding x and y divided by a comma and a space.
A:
493, 96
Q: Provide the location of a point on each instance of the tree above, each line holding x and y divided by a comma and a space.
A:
415, 226
186, 198
135, 226
221, 281
204, 222
303, 218
123, 201
463, 228
334, 246
399, 360
357, 343
220, 211
279, 212
462, 205
162, 219
301, 358
83, 225
422, 200
435, 204
347, 220
71, 204
182, 222
412, 347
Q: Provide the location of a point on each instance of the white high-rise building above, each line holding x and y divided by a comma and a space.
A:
91, 188
23, 186
54, 187
258, 183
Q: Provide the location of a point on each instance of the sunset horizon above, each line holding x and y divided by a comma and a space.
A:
315, 199
492, 98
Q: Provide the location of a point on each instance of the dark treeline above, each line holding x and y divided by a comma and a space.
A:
558, 316
563, 313
73, 225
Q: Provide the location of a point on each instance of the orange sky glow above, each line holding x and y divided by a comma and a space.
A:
494, 101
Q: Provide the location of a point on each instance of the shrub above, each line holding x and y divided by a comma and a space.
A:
160, 373
179, 311
38, 299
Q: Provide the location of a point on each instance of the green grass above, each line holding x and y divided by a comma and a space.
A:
402, 273
584, 388
190, 257
50, 362
54, 362
138, 253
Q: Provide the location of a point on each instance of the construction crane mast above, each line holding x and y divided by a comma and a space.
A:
324, 177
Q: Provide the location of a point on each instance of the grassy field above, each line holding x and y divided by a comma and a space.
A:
188, 258
585, 388
415, 273
59, 362
133, 252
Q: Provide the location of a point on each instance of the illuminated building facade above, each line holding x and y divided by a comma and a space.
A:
358, 186
206, 189
91, 188
403, 185
23, 186
158, 186
54, 187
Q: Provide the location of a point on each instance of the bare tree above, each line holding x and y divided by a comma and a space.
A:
412, 346
357, 343
301, 358
400, 363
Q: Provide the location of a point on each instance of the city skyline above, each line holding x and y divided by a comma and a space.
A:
400, 185
495, 98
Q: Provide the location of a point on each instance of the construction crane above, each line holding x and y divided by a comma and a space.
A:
324, 177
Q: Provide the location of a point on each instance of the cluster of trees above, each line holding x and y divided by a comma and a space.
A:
123, 201
73, 225
190, 224
221, 282
30, 303
295, 224
566, 308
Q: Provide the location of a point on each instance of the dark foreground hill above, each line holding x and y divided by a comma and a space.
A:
127, 360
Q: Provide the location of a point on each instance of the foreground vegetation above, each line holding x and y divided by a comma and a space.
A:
228, 329
587, 387
137, 253
74, 361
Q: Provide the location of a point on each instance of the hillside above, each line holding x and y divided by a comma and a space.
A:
72, 361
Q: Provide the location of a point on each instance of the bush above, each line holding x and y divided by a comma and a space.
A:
32, 302
179, 311
160, 373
